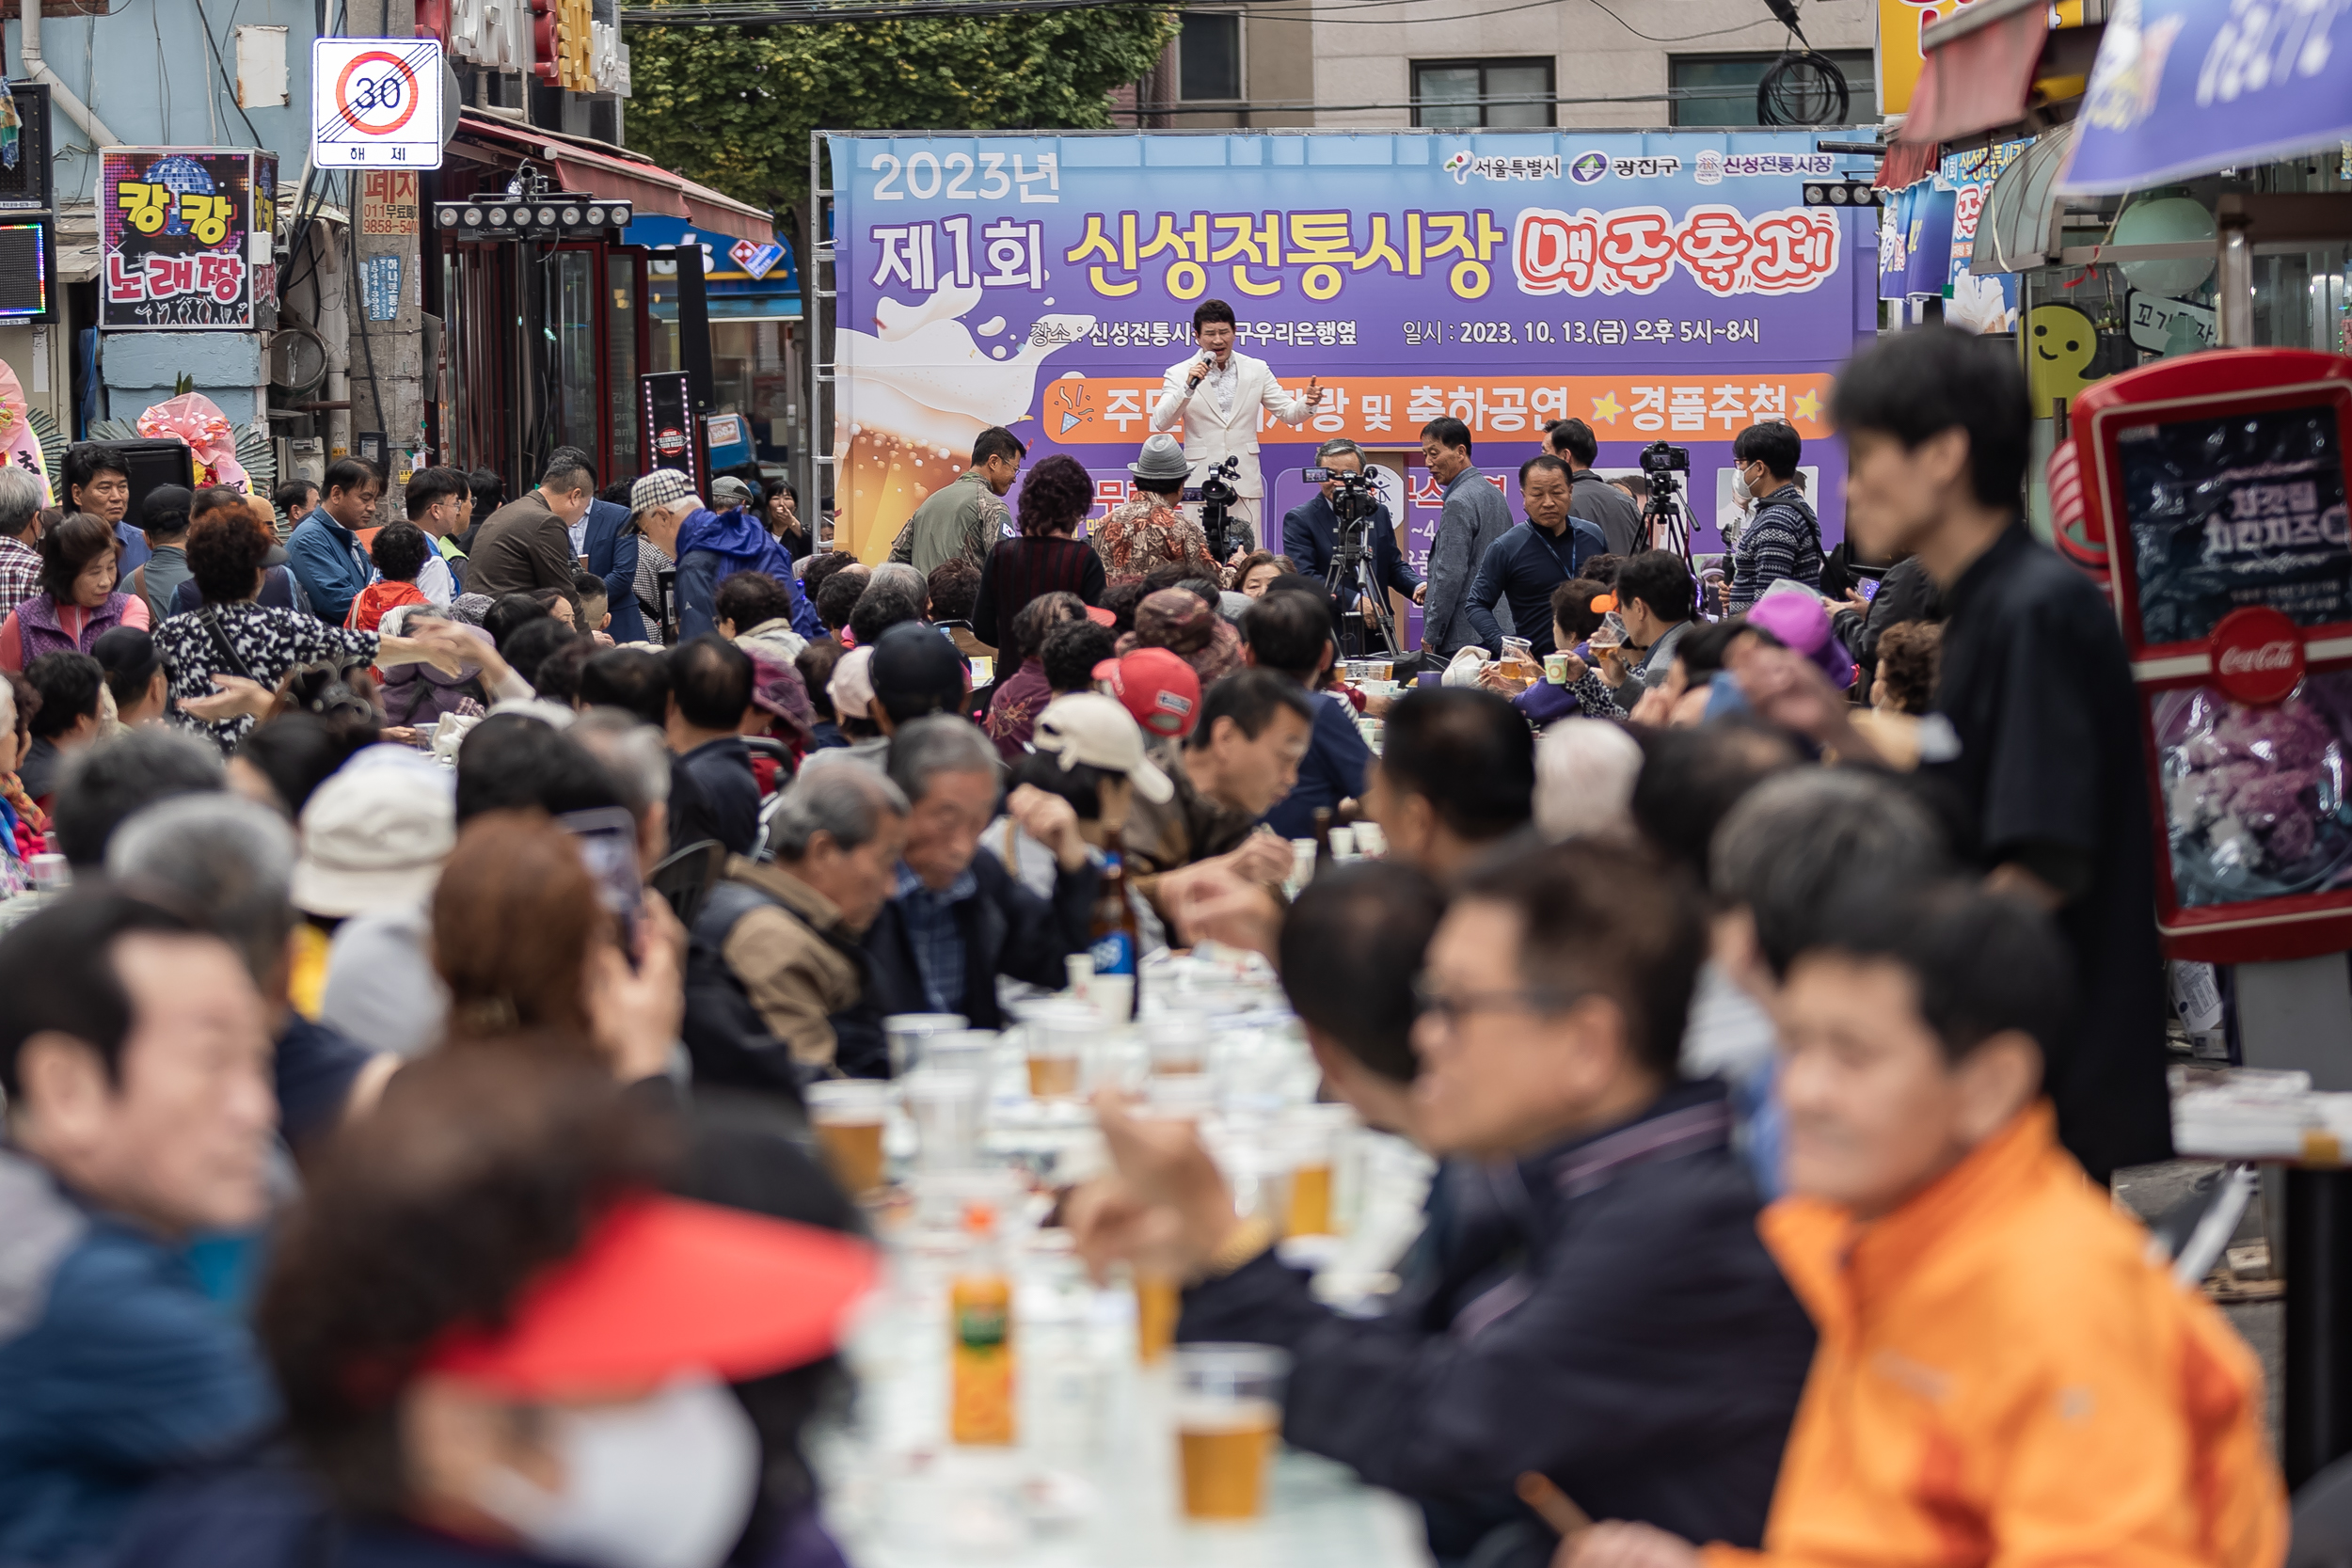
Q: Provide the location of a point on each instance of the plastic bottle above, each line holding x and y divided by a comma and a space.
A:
980, 1344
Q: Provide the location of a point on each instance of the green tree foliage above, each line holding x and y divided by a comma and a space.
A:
733, 107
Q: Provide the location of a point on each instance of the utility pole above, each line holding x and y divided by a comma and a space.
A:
388, 368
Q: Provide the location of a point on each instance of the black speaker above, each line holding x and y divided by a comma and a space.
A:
152, 463
27, 188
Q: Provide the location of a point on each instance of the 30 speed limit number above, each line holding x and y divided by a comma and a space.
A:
375, 102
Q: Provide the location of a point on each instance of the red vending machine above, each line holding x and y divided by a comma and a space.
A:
2217, 481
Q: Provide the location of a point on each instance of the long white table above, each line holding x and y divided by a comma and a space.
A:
1093, 1481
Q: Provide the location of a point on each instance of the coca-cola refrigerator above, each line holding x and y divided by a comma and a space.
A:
2216, 483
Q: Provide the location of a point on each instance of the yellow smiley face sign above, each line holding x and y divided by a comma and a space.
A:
2059, 346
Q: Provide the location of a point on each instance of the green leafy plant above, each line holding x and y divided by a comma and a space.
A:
733, 107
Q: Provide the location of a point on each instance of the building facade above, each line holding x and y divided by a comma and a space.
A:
1450, 64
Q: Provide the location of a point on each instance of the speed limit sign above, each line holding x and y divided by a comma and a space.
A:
375, 102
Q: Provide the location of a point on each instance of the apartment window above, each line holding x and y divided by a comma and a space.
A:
1462, 95
1720, 89
1208, 58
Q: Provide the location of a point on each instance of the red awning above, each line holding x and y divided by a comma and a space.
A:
1976, 72
1905, 165
594, 170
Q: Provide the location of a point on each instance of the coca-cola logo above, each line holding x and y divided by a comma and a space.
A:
2282, 655
2257, 655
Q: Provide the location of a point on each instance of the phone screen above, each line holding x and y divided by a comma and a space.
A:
1870, 588
607, 841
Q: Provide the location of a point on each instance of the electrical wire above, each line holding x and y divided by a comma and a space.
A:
800, 13
1680, 38
206, 22
367, 344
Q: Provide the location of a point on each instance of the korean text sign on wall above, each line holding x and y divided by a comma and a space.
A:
177, 227
1660, 286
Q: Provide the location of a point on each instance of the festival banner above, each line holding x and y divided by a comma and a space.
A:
177, 225
1660, 286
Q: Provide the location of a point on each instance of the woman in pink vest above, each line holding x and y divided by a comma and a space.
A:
77, 603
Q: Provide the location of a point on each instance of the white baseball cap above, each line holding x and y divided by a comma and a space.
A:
371, 839
851, 687
1088, 728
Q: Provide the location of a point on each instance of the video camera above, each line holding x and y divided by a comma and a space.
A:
1216, 493
1660, 458
1356, 499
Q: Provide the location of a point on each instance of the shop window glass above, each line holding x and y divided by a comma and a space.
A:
572, 309
621, 362
1720, 89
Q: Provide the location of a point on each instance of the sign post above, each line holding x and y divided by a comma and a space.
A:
376, 102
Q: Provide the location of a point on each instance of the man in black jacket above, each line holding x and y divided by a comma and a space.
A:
1644, 1353
1310, 533
960, 918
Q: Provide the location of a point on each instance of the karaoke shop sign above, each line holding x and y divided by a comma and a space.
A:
186, 235
1659, 286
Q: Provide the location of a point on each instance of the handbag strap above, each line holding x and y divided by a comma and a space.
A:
210, 616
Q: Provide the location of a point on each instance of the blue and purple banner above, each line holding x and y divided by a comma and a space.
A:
1664, 286
2183, 87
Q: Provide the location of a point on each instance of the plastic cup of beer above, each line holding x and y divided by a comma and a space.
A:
1157, 1307
1113, 996
906, 1032
1180, 1044
1312, 1134
1056, 1055
848, 1114
946, 1107
1519, 662
1229, 1411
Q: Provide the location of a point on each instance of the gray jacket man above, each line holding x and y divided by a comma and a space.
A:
1475, 515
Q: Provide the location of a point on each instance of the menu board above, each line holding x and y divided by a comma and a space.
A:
175, 224
2246, 509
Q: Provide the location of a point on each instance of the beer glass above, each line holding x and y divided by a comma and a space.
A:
1180, 1043
1312, 1134
1057, 1047
1229, 1410
946, 1106
906, 1032
848, 1114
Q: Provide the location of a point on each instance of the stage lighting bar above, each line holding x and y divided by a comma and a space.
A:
547, 216
1840, 193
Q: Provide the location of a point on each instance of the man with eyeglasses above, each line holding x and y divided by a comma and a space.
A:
1638, 1349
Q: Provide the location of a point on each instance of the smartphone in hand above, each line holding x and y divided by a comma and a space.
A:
607, 841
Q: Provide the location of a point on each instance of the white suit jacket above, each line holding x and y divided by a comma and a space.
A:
1210, 435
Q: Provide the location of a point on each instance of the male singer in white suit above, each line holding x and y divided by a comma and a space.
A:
1216, 395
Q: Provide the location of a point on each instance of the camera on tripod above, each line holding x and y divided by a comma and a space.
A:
1660, 458
1216, 493
1354, 500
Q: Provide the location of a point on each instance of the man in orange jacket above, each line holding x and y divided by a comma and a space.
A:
2003, 1376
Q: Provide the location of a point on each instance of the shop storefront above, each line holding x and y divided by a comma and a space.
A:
752, 293
2079, 181
541, 346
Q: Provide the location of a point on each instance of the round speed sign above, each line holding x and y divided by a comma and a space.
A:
376, 93
376, 102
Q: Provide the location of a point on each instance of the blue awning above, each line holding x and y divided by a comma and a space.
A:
737, 307
732, 268
2183, 87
